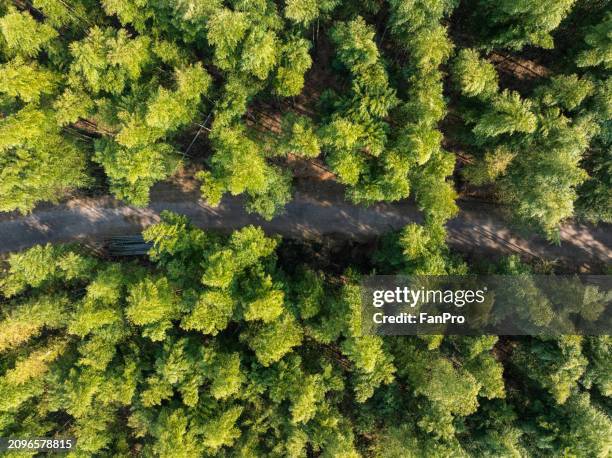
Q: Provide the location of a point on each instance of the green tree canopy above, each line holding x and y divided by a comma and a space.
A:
215, 344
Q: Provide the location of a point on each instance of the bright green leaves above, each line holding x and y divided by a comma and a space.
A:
493, 165
302, 12
455, 390
181, 366
355, 45
474, 76
239, 166
408, 17
116, 84
419, 250
238, 288
508, 114
294, 61
248, 47
423, 248
272, 341
228, 376
31, 268
36, 161
266, 306
310, 293
431, 47
129, 11
443, 391
489, 374
112, 83
373, 366
211, 313
434, 194
599, 371
42, 266
222, 430
136, 159
169, 110
245, 248
28, 318
305, 12
305, 392
422, 141
271, 361
29, 82
152, 304
542, 180
373, 97
58, 14
418, 161
304, 404
36, 363
172, 236
212, 346
243, 43
298, 137
175, 435
24, 35
132, 171
343, 138
259, 53
107, 60
528, 147
566, 91
226, 29
39, 269
556, 366
72, 105
585, 428
100, 307
192, 81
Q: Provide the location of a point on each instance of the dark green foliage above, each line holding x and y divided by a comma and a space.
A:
511, 24
532, 148
595, 194
599, 45
356, 135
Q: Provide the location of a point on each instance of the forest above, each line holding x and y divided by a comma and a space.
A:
246, 344
404, 92
228, 346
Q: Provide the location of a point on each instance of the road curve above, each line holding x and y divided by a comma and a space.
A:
316, 210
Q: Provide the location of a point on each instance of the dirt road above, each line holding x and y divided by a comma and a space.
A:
315, 211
